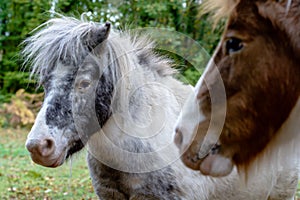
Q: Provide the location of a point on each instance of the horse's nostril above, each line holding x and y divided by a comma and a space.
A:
178, 137
32, 145
43, 147
47, 147
190, 160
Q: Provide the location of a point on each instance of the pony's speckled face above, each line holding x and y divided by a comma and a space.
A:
53, 137
260, 73
73, 92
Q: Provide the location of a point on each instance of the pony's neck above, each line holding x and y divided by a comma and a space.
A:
140, 139
282, 152
290, 131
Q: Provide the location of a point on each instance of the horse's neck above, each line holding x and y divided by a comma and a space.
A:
290, 129
152, 109
283, 151
141, 137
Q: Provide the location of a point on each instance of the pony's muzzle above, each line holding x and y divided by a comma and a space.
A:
191, 160
41, 147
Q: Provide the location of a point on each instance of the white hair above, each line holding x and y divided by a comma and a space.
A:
62, 38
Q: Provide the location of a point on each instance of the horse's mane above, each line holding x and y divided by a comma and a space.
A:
218, 8
222, 8
54, 40
61, 39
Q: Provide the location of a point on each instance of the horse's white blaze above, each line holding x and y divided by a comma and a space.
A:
201, 81
39, 129
189, 119
218, 114
191, 115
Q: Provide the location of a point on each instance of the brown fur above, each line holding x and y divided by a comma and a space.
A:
287, 19
262, 81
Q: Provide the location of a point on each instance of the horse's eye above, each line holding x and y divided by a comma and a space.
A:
84, 84
233, 45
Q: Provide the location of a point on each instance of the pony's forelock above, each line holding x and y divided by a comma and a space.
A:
61, 39
57, 39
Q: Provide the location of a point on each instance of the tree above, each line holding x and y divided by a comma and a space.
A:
19, 17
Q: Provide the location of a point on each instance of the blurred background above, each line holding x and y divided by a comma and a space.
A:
20, 99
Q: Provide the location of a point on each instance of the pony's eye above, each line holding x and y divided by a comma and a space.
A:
233, 45
84, 84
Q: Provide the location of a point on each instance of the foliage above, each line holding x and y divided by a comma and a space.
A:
22, 109
19, 17
13, 80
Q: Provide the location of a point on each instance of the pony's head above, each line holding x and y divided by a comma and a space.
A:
258, 64
62, 54
89, 74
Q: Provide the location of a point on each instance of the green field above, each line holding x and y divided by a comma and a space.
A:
20, 178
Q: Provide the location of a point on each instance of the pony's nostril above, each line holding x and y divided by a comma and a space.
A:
190, 160
178, 137
43, 147
32, 145
47, 147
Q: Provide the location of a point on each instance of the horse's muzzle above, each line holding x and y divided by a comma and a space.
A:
42, 151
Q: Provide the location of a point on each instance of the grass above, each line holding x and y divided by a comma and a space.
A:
20, 178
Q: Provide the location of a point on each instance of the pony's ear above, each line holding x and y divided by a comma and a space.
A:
98, 35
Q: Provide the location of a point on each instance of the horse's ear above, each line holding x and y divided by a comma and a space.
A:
98, 35
285, 17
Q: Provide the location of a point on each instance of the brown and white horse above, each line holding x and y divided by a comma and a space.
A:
246, 106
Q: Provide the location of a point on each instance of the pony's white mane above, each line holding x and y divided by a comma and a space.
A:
125, 58
56, 39
62, 39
